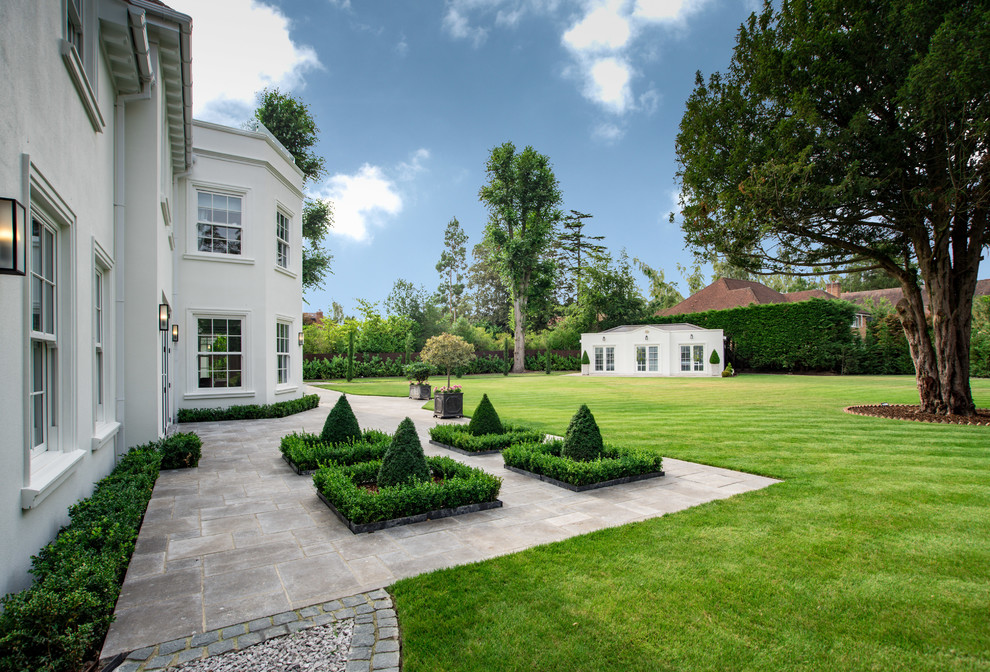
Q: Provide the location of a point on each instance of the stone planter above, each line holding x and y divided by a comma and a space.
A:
585, 368
448, 404
419, 390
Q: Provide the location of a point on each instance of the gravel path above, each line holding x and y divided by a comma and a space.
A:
321, 648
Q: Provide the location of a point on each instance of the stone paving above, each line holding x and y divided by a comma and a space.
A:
243, 536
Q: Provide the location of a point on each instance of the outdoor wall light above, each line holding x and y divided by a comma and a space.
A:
691, 337
646, 338
162, 317
175, 333
13, 240
603, 339
300, 339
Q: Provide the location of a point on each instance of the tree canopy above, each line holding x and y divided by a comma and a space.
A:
523, 200
290, 120
850, 136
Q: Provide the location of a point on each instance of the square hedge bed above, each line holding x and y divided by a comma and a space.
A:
458, 439
616, 466
306, 452
459, 489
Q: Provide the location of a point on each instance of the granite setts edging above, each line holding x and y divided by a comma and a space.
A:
469, 453
360, 528
375, 645
589, 486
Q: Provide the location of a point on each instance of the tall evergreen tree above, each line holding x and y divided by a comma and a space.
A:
452, 266
579, 251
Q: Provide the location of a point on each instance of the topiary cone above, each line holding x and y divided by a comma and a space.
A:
485, 420
404, 460
341, 426
583, 441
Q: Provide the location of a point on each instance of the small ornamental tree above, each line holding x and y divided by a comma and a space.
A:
585, 359
714, 358
583, 441
418, 371
485, 420
404, 460
447, 351
341, 426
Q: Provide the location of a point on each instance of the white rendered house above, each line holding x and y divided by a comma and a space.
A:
139, 226
654, 350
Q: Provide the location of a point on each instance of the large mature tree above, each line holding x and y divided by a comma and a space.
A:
317, 218
452, 266
663, 294
579, 250
523, 200
853, 135
489, 295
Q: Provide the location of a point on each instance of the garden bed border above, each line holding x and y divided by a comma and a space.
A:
589, 486
292, 465
359, 528
465, 452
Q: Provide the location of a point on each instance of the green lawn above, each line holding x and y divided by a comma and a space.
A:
873, 554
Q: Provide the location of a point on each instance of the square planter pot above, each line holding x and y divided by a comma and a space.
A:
417, 391
448, 404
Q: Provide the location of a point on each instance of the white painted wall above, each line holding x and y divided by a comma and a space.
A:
667, 338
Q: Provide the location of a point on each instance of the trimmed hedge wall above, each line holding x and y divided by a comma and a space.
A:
61, 620
458, 436
461, 485
545, 459
250, 411
376, 367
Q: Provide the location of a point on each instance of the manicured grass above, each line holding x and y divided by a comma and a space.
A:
874, 553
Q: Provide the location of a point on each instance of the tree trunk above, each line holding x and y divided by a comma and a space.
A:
519, 349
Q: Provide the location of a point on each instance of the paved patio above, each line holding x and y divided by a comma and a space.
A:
243, 537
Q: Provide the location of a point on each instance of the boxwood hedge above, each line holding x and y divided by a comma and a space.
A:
250, 411
545, 459
459, 436
458, 485
306, 452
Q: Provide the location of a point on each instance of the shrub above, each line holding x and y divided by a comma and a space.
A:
727, 372
307, 452
418, 371
583, 441
584, 358
460, 485
459, 436
714, 358
250, 411
181, 451
547, 459
62, 619
404, 460
341, 426
485, 420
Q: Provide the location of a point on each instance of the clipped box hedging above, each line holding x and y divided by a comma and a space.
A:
306, 452
62, 619
545, 459
181, 451
250, 411
458, 436
459, 485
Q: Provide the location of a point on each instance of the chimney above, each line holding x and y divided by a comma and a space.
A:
834, 288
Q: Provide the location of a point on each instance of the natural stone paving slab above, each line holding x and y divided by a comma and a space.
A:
243, 537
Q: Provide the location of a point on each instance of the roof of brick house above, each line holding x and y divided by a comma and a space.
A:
727, 293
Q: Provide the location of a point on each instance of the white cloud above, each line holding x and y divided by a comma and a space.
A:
603, 28
608, 83
261, 47
408, 170
402, 46
608, 133
456, 23
649, 101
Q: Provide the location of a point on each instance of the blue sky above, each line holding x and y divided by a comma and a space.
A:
411, 96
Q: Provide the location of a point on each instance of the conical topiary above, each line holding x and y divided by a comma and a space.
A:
341, 426
485, 420
583, 441
404, 460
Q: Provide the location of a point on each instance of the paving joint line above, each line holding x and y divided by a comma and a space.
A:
375, 645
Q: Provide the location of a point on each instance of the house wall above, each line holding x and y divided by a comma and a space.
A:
53, 158
250, 286
669, 354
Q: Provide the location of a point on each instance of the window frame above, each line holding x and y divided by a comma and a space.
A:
99, 334
44, 266
282, 257
283, 371
224, 354
214, 192
609, 358
599, 358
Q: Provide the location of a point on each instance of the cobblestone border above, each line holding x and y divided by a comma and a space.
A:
374, 647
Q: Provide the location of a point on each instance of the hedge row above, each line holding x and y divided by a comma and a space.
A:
460, 485
376, 367
250, 411
458, 436
545, 459
308, 451
62, 619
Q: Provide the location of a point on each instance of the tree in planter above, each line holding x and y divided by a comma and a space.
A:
485, 420
341, 426
447, 351
585, 360
583, 441
853, 137
418, 371
714, 359
523, 198
404, 460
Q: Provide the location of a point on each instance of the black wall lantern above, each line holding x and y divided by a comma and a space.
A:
175, 333
163, 317
13, 237
300, 339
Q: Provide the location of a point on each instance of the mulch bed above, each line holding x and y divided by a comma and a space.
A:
913, 412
